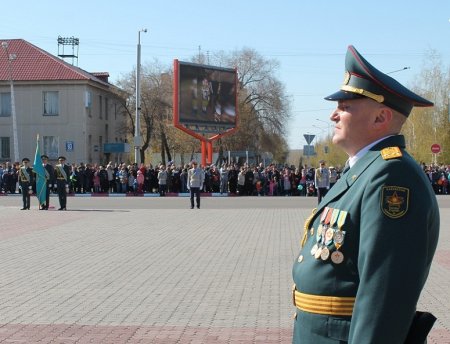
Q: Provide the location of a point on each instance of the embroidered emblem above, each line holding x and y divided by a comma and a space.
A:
394, 201
391, 153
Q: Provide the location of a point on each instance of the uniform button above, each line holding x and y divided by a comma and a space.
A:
300, 258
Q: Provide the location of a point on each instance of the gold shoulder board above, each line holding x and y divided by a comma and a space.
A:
391, 153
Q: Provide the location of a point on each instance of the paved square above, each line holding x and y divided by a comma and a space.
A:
150, 270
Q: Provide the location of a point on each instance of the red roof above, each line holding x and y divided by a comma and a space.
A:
32, 63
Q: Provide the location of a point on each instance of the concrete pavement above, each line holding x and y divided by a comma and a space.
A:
151, 270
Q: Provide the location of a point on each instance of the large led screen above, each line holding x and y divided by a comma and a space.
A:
206, 97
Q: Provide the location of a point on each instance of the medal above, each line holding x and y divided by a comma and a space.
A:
319, 233
325, 254
300, 258
318, 253
329, 234
314, 249
338, 237
337, 257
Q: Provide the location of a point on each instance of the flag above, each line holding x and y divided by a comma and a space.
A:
39, 170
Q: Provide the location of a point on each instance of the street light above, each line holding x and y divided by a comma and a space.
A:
398, 70
12, 57
137, 136
327, 123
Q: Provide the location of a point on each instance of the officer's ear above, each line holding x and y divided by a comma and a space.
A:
383, 118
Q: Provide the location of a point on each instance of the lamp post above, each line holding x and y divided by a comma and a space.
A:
327, 123
12, 57
137, 131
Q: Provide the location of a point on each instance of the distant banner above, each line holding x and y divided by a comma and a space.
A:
38, 168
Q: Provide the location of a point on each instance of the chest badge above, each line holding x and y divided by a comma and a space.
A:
394, 201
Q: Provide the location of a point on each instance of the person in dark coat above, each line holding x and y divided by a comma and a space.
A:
62, 174
26, 180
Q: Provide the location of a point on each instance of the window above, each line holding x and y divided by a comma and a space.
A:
100, 110
51, 144
5, 104
4, 148
106, 108
51, 103
88, 102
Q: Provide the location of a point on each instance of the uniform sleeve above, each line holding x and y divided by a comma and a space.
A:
393, 258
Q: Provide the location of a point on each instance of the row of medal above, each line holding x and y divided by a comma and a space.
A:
330, 236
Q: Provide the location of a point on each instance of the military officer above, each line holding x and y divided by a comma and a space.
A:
26, 182
49, 179
62, 173
366, 250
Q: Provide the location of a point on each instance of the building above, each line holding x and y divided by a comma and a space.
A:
75, 113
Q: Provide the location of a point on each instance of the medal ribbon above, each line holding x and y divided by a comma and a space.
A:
328, 218
324, 214
334, 217
341, 219
340, 223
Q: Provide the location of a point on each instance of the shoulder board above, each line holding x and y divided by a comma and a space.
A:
391, 153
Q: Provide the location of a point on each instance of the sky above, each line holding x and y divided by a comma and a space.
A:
308, 38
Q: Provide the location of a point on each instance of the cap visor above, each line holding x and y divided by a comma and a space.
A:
343, 95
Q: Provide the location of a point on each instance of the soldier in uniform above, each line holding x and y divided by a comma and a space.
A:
367, 248
49, 180
26, 182
62, 173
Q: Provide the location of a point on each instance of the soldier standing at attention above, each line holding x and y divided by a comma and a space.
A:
367, 248
26, 182
49, 180
62, 173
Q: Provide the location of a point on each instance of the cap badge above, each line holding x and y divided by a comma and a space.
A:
346, 78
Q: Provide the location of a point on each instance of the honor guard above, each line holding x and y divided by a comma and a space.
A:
62, 173
26, 182
49, 180
366, 250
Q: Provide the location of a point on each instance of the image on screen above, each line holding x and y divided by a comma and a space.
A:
207, 96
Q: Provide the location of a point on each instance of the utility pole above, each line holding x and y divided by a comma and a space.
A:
137, 128
12, 57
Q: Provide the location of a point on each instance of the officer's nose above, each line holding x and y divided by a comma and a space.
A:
334, 117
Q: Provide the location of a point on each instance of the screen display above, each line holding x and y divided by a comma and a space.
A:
207, 97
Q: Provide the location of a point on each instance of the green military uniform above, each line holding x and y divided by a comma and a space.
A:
62, 173
367, 249
26, 180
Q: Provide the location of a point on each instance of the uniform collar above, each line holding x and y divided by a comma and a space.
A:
352, 161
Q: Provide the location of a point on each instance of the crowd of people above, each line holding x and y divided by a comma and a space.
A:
257, 180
